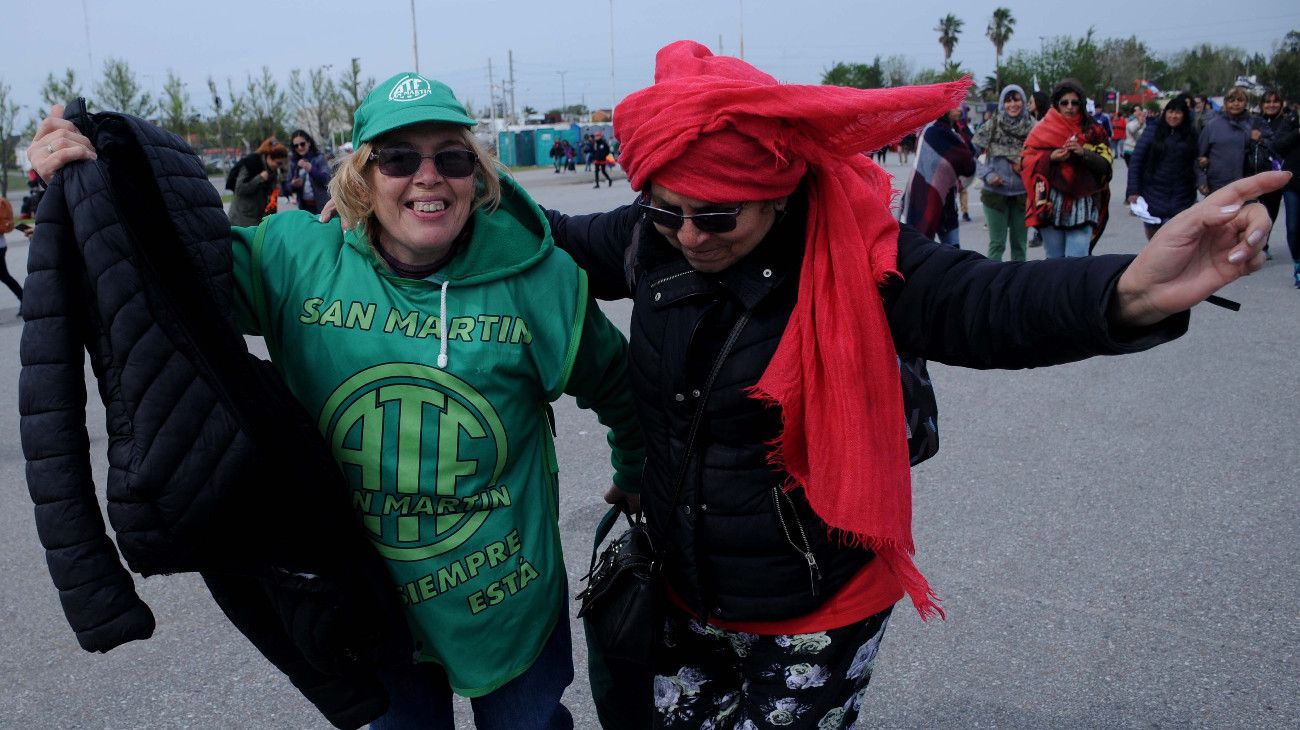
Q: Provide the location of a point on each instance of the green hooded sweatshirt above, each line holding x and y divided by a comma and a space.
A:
444, 438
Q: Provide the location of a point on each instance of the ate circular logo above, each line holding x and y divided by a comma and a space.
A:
410, 88
422, 451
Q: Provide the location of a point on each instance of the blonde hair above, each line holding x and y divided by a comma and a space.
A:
1235, 92
351, 193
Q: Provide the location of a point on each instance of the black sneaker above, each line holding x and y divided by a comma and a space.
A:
965, 217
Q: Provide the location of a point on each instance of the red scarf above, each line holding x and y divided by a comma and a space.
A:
717, 129
1068, 178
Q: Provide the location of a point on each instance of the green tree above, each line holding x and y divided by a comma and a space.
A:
120, 92
1284, 66
1001, 26
59, 90
856, 75
218, 124
949, 28
8, 117
897, 70
1206, 69
267, 106
352, 90
175, 106
1122, 61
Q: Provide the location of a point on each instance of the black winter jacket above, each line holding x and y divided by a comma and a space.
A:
1167, 181
736, 542
213, 466
1286, 143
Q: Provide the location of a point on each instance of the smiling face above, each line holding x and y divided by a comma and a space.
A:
714, 252
421, 215
1174, 117
1234, 105
1013, 105
1271, 105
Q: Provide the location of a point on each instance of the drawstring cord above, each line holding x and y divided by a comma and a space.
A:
442, 328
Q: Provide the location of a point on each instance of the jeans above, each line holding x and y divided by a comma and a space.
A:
949, 238
1066, 242
1005, 216
419, 696
1291, 200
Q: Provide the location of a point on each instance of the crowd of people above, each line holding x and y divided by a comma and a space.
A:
1045, 164
757, 419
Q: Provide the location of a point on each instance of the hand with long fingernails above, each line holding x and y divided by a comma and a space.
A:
1198, 252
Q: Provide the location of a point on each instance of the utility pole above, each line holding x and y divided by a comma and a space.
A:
415, 48
492, 97
742, 30
564, 106
510, 56
613, 96
721, 52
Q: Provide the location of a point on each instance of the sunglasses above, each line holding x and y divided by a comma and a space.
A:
301, 144
720, 222
404, 162
1069, 102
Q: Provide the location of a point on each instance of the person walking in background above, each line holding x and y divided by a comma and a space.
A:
962, 127
1222, 143
557, 155
568, 155
585, 149
1261, 153
1284, 128
1118, 132
930, 201
600, 154
1203, 111
1066, 171
257, 183
1133, 129
309, 173
1162, 168
6, 226
906, 146
1002, 140
1039, 103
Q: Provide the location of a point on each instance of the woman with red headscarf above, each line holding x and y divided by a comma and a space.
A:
763, 261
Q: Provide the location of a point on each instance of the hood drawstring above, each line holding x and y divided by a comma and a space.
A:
442, 328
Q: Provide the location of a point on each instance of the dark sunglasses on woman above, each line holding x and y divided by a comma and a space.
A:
399, 162
720, 222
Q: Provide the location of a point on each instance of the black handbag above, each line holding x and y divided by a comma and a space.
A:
621, 607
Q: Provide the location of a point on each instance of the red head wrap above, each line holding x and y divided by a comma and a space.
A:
717, 129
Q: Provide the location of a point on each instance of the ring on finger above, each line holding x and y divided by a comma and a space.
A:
49, 148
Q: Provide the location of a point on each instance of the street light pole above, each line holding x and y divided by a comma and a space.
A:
415, 48
613, 96
564, 104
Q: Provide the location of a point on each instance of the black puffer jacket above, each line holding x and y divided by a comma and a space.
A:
213, 466
736, 542
1164, 172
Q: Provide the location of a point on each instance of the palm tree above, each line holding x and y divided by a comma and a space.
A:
1001, 26
949, 28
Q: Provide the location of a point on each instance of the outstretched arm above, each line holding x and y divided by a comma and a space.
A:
1199, 251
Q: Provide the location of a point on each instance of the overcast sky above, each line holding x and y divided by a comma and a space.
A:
562, 48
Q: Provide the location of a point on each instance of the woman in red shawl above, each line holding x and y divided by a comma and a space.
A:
786, 522
1066, 170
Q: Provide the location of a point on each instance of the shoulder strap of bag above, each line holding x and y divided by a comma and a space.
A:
611, 517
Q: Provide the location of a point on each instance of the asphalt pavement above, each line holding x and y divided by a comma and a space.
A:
1115, 542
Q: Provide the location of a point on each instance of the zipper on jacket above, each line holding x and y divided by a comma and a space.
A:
814, 572
667, 279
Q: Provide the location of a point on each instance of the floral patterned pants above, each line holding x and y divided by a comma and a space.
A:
713, 679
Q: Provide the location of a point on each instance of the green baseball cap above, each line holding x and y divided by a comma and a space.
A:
405, 99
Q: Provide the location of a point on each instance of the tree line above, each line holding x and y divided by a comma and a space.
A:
1099, 63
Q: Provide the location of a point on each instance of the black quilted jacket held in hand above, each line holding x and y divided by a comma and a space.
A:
213, 466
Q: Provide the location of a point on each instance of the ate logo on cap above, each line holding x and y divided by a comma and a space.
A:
410, 88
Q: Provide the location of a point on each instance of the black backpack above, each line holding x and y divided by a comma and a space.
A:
232, 177
920, 407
